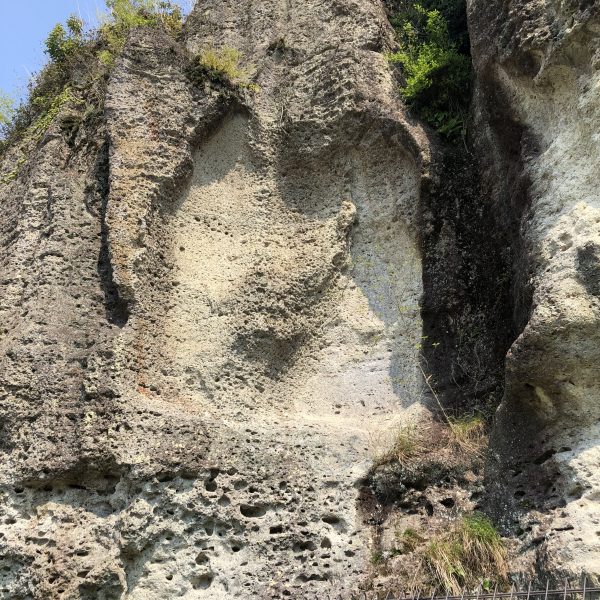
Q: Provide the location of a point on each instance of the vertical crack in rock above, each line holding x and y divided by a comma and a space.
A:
467, 306
117, 309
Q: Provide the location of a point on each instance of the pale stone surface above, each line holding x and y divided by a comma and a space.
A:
259, 329
543, 64
212, 307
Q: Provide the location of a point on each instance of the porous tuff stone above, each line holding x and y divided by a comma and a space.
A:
211, 305
537, 115
209, 315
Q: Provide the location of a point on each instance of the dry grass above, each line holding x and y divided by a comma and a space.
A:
405, 445
462, 437
468, 433
470, 552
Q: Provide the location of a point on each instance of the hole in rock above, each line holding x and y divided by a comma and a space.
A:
253, 511
303, 546
202, 582
544, 457
209, 527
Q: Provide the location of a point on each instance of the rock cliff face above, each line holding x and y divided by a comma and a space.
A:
209, 312
538, 75
213, 304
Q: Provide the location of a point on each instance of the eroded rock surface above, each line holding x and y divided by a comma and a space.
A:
538, 114
215, 303
198, 420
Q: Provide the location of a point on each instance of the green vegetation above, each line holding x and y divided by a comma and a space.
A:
433, 53
61, 44
127, 14
222, 65
6, 109
408, 541
78, 70
469, 553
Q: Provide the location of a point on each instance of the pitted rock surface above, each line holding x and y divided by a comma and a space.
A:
537, 96
214, 305
211, 315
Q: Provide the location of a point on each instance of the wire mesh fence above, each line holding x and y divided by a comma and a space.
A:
550, 592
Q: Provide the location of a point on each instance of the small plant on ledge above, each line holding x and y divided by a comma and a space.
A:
223, 66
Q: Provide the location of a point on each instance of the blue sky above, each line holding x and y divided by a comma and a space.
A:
25, 24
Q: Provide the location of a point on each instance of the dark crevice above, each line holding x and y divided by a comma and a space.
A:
117, 308
467, 274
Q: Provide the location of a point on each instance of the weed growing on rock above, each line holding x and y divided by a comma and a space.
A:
471, 551
468, 433
221, 65
405, 445
447, 558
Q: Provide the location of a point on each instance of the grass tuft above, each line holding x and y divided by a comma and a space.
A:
222, 65
469, 553
406, 444
468, 433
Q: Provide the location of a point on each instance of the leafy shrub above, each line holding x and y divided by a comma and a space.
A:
436, 68
223, 65
124, 15
61, 44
